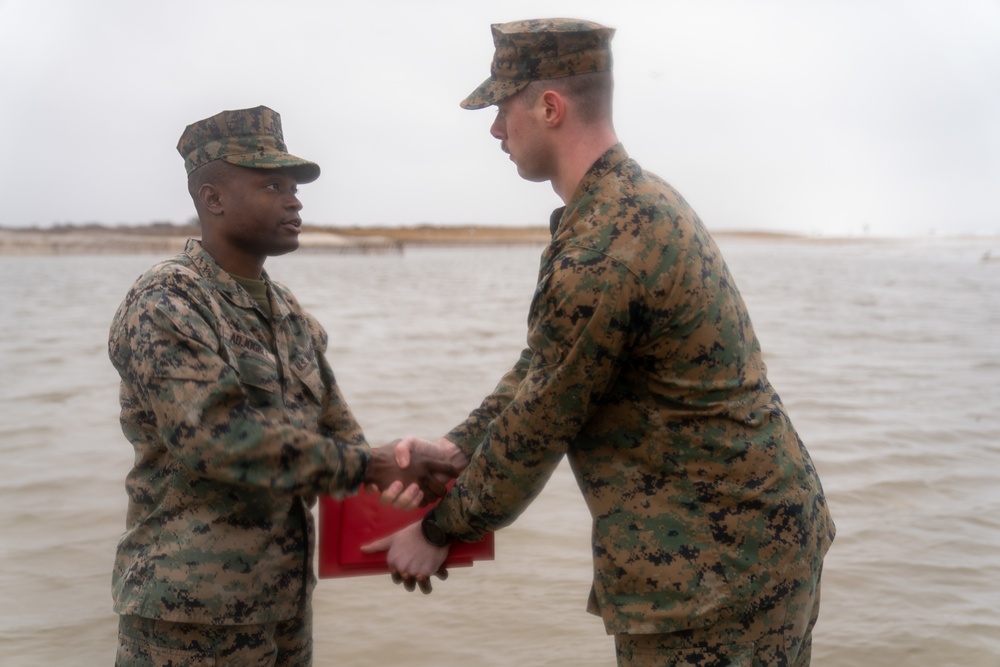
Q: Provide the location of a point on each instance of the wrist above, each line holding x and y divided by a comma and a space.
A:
374, 465
432, 531
454, 453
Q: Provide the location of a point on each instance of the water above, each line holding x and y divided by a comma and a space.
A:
887, 355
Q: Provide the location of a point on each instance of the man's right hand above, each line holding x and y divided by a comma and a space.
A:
423, 472
409, 497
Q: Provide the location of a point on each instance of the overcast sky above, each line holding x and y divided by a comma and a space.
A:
829, 117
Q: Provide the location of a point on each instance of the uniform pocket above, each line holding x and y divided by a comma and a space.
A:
646, 651
259, 373
134, 652
256, 366
739, 655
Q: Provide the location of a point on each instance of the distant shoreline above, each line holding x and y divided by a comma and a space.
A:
161, 238
168, 238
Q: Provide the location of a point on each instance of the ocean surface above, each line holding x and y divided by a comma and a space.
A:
886, 352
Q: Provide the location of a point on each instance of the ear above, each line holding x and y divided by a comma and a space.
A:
210, 197
553, 108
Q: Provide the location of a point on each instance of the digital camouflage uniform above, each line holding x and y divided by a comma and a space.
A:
642, 366
237, 424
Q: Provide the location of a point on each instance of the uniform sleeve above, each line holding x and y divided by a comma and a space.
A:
337, 420
578, 334
471, 432
165, 344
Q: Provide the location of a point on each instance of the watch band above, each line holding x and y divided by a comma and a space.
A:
432, 532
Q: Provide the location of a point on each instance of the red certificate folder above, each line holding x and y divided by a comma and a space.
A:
347, 524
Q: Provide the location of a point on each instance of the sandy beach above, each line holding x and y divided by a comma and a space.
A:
159, 239
168, 238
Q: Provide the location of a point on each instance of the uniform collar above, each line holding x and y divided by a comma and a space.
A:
223, 280
611, 158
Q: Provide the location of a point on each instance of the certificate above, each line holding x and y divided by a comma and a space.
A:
345, 525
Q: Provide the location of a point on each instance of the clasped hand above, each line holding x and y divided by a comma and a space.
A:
424, 473
411, 559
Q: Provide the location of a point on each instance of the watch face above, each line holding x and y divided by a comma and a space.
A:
434, 534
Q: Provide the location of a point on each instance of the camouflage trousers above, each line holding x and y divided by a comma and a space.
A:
147, 642
777, 634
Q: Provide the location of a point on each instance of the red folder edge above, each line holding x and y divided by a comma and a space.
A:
345, 525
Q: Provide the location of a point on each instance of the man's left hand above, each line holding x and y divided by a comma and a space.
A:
411, 558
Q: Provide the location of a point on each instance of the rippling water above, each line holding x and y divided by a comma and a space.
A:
887, 354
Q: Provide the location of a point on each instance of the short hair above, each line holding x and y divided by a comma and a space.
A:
590, 93
210, 172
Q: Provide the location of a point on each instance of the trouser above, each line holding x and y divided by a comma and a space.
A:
148, 642
775, 634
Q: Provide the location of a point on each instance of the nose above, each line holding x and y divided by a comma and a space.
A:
294, 203
499, 128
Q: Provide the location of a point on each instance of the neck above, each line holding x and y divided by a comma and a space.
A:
232, 261
580, 151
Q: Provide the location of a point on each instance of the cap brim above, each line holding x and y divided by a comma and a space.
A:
491, 92
303, 171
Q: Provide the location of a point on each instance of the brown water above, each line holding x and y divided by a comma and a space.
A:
886, 353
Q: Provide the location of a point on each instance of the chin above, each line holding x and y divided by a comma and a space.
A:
534, 178
284, 248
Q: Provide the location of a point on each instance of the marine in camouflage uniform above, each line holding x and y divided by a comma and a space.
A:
642, 367
237, 424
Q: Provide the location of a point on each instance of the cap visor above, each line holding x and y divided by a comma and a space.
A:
303, 171
491, 92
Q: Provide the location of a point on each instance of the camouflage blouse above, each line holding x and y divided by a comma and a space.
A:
237, 424
642, 366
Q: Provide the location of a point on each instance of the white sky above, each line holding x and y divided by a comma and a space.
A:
827, 117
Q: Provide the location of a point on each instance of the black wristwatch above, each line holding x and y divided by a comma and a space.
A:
433, 533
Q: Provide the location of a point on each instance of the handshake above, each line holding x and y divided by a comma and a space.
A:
411, 472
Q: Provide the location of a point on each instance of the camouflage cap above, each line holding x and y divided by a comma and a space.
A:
245, 137
539, 49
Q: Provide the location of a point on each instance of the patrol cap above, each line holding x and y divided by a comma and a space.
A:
245, 137
539, 49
